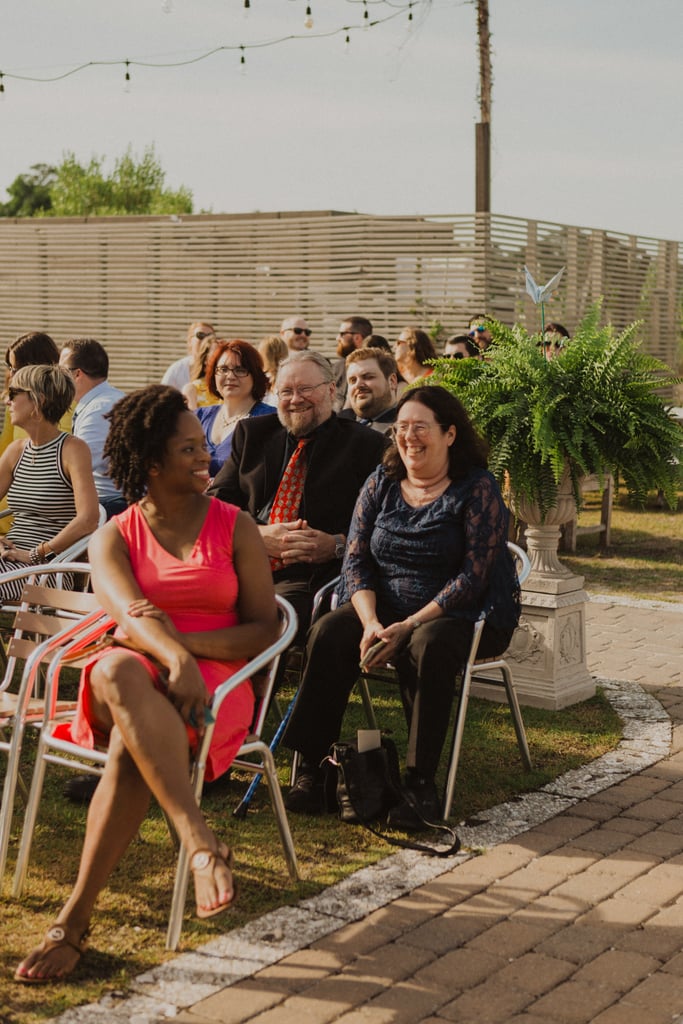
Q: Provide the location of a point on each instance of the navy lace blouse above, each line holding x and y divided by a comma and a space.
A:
452, 551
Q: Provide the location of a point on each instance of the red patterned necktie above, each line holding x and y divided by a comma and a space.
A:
290, 492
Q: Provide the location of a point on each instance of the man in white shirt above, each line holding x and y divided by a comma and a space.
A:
178, 373
88, 364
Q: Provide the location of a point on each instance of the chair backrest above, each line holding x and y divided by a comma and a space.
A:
43, 611
522, 563
80, 546
268, 660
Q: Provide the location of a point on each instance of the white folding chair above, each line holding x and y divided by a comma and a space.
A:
45, 620
253, 756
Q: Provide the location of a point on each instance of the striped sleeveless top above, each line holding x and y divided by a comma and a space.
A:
40, 495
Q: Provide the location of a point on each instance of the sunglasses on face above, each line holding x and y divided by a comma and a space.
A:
479, 329
200, 335
301, 330
13, 392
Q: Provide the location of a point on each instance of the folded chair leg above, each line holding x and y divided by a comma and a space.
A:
278, 803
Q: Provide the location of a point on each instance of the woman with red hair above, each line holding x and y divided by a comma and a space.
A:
235, 375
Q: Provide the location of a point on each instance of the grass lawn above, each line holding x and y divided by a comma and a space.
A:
645, 561
645, 558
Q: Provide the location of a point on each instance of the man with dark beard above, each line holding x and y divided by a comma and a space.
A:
299, 473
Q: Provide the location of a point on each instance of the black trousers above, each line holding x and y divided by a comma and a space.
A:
427, 669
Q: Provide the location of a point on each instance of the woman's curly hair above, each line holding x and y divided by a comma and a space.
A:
140, 426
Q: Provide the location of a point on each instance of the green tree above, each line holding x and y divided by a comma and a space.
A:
30, 193
134, 186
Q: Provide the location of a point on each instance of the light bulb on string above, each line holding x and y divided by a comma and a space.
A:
2, 86
366, 14
247, 8
410, 15
308, 20
347, 43
243, 62
126, 87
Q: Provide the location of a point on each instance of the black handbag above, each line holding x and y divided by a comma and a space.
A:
368, 785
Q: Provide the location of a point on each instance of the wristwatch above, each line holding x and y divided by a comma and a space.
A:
339, 545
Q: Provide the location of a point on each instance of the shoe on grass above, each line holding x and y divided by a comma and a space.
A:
80, 789
307, 795
419, 807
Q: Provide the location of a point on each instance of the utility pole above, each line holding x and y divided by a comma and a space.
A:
483, 126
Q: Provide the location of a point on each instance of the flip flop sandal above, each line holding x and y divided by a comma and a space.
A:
55, 938
203, 862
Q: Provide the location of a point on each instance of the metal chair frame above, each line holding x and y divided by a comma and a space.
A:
52, 750
45, 620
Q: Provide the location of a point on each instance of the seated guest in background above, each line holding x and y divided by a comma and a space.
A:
479, 332
460, 347
353, 333
236, 378
188, 583
272, 350
197, 391
412, 350
372, 378
88, 365
26, 350
295, 333
298, 474
178, 373
426, 555
377, 341
555, 338
47, 478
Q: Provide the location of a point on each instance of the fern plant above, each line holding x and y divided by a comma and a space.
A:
593, 409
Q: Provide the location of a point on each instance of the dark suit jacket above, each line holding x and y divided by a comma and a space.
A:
381, 423
341, 456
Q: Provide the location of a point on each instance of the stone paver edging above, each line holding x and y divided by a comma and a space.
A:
160, 994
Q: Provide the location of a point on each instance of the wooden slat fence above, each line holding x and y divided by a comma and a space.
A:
134, 283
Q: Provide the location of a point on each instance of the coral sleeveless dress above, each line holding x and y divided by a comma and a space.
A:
198, 594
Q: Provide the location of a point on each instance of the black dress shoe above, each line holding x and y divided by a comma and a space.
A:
307, 795
80, 789
419, 808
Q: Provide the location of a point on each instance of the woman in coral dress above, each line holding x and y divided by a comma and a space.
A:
188, 581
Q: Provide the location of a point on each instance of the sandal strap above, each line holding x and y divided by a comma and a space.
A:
56, 936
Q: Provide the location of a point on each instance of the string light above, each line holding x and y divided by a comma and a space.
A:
410, 14
308, 21
247, 7
243, 62
347, 42
399, 9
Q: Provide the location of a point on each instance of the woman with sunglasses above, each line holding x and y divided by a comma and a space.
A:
47, 477
26, 350
235, 376
426, 554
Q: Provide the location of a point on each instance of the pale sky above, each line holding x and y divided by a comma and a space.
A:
586, 104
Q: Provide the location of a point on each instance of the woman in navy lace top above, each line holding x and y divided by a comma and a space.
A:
426, 555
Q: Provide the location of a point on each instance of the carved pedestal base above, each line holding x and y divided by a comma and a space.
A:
547, 655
